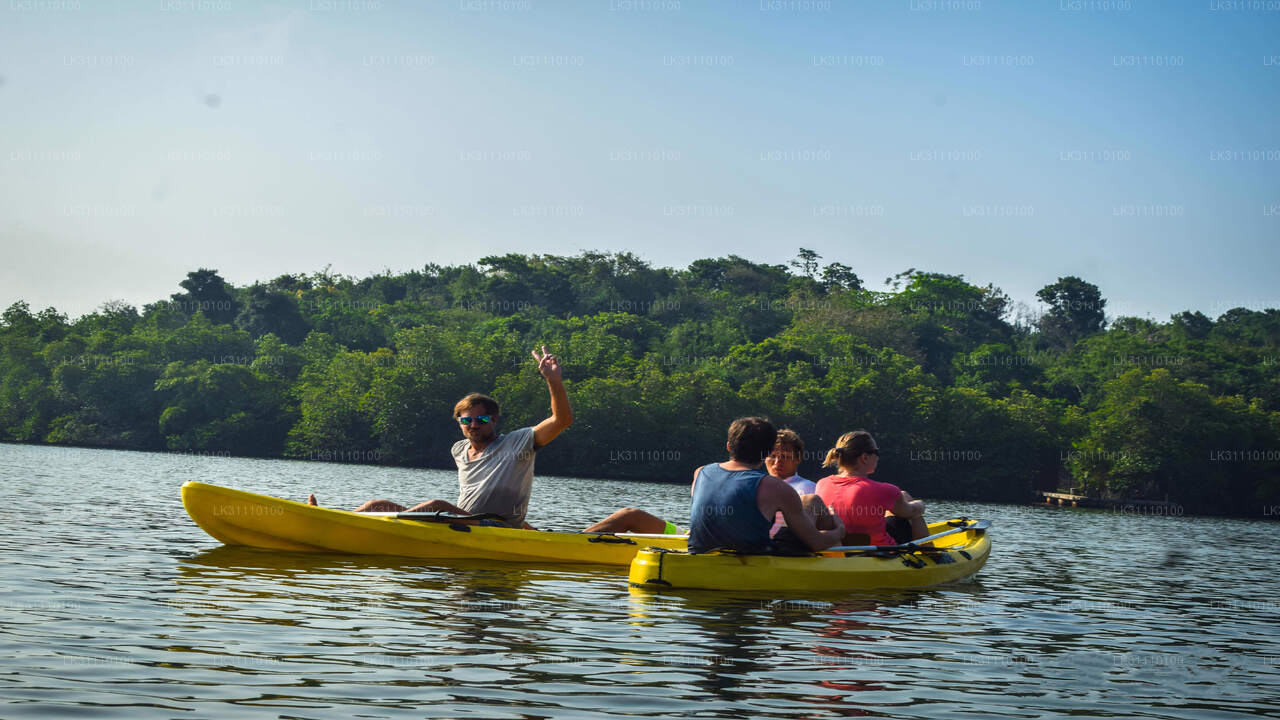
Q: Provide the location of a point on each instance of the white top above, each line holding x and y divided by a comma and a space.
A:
501, 479
802, 486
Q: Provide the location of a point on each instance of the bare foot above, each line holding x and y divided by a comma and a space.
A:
311, 499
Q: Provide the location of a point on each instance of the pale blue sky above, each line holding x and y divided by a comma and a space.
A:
1134, 144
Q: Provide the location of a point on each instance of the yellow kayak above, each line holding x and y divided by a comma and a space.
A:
957, 555
236, 517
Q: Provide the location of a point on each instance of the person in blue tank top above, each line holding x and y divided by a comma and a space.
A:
734, 502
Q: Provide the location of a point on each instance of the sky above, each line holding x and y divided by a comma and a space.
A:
1133, 143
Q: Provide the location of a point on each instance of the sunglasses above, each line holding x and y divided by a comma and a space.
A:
480, 419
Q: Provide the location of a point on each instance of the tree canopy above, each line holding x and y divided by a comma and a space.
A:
966, 403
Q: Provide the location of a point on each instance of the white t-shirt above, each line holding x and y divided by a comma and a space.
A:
501, 479
802, 486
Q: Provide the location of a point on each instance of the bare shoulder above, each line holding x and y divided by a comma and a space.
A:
771, 486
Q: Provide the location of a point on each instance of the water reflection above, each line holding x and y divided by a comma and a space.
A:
106, 611
807, 654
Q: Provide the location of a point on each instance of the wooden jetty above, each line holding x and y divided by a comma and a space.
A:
1155, 507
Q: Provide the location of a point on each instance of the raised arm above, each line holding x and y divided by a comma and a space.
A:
561, 413
776, 495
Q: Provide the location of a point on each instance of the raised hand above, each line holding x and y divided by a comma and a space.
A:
548, 365
561, 412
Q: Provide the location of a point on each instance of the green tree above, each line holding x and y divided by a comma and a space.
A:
272, 312
336, 414
657, 361
1076, 310
1192, 325
107, 399
207, 292
221, 407
838, 276
27, 400
1156, 437
806, 262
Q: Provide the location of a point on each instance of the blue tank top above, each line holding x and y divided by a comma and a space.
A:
725, 513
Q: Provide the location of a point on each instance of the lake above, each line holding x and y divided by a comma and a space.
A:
114, 604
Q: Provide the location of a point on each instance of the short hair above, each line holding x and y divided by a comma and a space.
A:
848, 448
751, 439
490, 405
787, 436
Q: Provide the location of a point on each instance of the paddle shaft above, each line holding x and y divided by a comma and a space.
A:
914, 544
434, 516
447, 518
411, 515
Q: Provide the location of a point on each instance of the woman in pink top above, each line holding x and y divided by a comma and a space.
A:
861, 503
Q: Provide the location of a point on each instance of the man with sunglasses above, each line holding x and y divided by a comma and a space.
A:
495, 471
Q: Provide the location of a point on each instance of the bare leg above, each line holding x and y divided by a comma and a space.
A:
380, 506
438, 506
444, 506
919, 528
630, 520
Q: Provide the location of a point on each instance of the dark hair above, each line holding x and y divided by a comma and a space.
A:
787, 436
849, 447
490, 405
751, 439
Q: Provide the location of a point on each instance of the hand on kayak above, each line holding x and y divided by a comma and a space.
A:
311, 499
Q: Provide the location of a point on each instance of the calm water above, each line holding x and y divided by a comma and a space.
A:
113, 604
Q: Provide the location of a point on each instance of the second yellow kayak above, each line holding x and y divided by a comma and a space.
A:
965, 553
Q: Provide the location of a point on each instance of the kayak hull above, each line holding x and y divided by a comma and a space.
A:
235, 517
659, 569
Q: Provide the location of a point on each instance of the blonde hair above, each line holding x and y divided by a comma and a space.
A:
848, 447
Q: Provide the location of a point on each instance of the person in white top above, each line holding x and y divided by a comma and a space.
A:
782, 463
785, 460
495, 471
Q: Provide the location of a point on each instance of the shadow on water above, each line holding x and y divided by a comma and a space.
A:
456, 582
478, 603
249, 559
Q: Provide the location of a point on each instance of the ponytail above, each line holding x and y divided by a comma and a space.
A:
833, 458
850, 445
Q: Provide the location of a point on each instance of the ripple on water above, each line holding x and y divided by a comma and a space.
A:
115, 605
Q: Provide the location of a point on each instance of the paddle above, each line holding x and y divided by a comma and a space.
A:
914, 545
434, 516
440, 517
